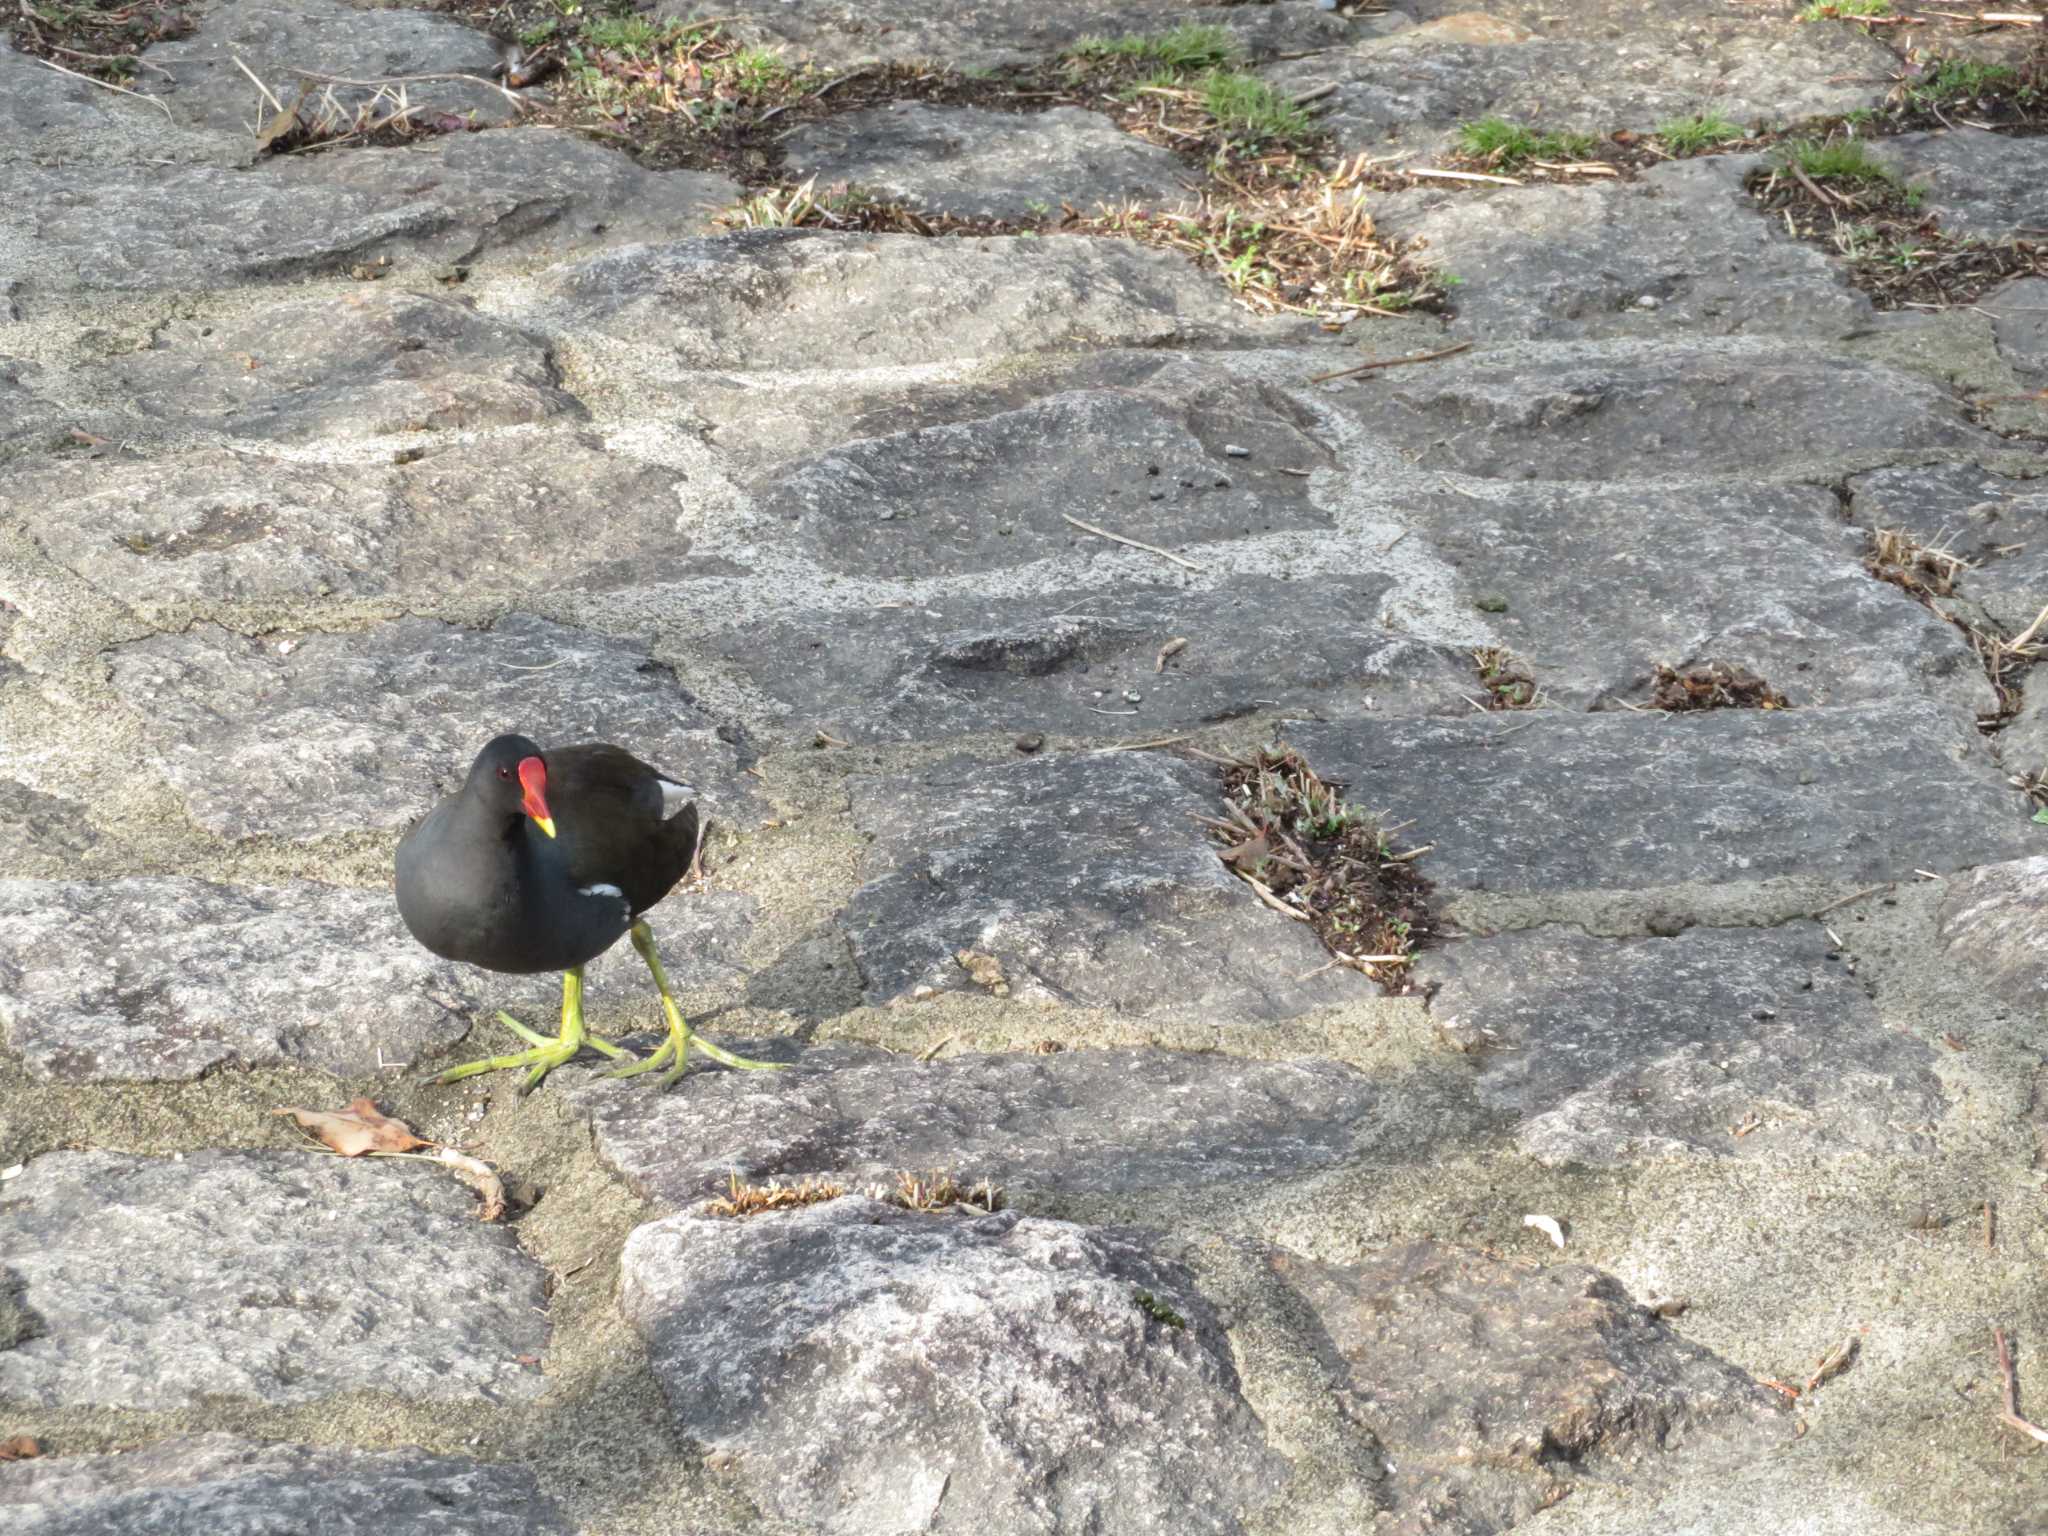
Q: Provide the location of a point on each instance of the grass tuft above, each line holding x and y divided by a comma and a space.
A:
1845, 10
1960, 80
1504, 144
1687, 136
1252, 114
1186, 50
1844, 160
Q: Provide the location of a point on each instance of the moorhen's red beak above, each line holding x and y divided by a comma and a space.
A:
533, 778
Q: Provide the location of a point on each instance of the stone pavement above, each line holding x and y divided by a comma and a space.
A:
318, 468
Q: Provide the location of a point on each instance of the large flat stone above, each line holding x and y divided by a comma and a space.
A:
1994, 924
1096, 1122
377, 361
1406, 93
1087, 879
527, 193
781, 299
277, 38
1495, 1385
1982, 184
893, 1360
1620, 412
214, 532
219, 1485
981, 494
986, 34
1680, 250
1612, 1051
278, 1277
37, 828
365, 731
50, 118
1603, 583
2019, 316
1623, 801
1998, 524
988, 165
1070, 662
163, 979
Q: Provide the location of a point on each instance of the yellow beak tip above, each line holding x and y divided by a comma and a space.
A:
546, 824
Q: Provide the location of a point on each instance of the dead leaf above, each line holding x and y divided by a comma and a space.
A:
19, 1448
1169, 650
526, 1359
479, 1176
358, 1129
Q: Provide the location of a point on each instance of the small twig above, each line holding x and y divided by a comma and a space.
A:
1388, 362
1117, 538
1990, 1228
1833, 1365
118, 90
1825, 199
2026, 636
1847, 900
1498, 181
1265, 894
1412, 853
1142, 746
2012, 1390
930, 1052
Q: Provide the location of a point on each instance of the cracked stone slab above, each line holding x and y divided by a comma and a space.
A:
48, 118
1711, 797
2019, 316
1606, 1051
164, 978
527, 193
1619, 412
366, 731
1097, 1122
1085, 877
1994, 522
978, 164
1602, 583
1981, 184
277, 1277
365, 364
1079, 662
1494, 1385
998, 491
221, 1485
987, 34
1406, 93
1680, 250
275, 40
1002, 1364
1994, 924
219, 532
761, 301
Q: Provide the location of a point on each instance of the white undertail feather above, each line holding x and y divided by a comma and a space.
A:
674, 797
600, 890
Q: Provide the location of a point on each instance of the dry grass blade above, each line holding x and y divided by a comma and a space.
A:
108, 85
1391, 362
753, 1199
1833, 1364
1117, 538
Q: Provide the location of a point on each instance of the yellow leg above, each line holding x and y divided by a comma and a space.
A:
680, 1036
546, 1054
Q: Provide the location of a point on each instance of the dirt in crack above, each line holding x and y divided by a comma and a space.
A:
1717, 685
1307, 853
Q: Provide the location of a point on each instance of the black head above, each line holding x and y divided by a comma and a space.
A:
511, 776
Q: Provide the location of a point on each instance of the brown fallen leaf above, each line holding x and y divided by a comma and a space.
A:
358, 1129
19, 1448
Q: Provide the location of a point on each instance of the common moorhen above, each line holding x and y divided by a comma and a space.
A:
540, 862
